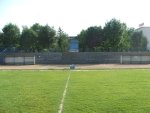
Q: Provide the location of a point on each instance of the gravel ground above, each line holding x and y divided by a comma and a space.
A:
78, 66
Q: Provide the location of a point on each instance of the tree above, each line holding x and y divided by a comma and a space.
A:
91, 38
28, 40
46, 37
82, 40
94, 37
124, 43
138, 41
11, 35
37, 28
1, 39
116, 36
63, 41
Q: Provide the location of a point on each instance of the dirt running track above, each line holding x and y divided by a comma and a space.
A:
85, 66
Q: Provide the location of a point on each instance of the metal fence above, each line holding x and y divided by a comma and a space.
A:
78, 58
19, 60
135, 59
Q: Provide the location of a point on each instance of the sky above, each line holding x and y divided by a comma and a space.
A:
73, 15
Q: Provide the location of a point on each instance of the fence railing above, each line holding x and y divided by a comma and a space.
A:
134, 59
19, 60
77, 58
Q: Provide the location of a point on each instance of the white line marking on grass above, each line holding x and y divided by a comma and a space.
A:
64, 95
111, 69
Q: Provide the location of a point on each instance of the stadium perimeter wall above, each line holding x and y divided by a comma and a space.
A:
83, 57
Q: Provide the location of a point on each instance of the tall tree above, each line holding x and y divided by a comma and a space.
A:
124, 43
94, 37
91, 38
46, 37
28, 40
138, 41
115, 34
1, 39
82, 40
37, 28
63, 41
11, 35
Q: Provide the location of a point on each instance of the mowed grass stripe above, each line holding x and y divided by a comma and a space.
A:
31, 91
114, 91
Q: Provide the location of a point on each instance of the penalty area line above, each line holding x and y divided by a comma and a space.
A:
64, 95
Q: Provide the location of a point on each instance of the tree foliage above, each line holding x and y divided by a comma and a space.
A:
138, 41
82, 40
1, 39
28, 40
116, 36
93, 37
11, 35
37, 38
63, 41
46, 37
113, 37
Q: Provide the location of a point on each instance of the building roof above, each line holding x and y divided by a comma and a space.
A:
145, 27
72, 37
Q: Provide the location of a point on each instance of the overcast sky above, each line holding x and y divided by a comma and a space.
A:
74, 15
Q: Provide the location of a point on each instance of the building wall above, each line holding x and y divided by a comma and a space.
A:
74, 45
146, 33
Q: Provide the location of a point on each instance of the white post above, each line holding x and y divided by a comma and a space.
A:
121, 59
34, 60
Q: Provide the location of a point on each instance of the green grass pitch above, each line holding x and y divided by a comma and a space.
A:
99, 91
31, 91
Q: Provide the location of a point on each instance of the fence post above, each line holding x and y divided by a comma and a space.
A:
121, 59
34, 60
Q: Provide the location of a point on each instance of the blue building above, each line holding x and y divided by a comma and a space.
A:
74, 44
